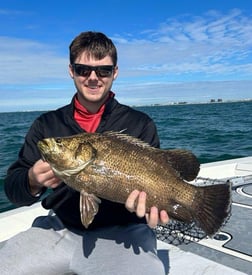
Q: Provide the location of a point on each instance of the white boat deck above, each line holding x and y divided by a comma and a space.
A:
179, 260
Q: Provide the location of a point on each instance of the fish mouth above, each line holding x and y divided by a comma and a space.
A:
42, 145
43, 157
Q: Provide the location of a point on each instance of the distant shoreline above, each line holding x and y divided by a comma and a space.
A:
212, 101
174, 103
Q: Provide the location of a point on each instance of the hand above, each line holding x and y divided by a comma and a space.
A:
41, 175
136, 202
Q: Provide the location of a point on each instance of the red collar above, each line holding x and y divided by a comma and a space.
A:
88, 121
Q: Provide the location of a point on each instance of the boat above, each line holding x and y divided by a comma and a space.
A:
228, 252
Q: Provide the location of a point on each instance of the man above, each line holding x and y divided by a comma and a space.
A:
118, 241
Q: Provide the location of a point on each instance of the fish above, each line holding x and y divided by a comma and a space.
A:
111, 165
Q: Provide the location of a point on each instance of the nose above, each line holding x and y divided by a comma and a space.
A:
93, 75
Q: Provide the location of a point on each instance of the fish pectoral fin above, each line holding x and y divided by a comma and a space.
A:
89, 206
184, 162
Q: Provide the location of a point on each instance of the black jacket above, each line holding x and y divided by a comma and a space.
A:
64, 200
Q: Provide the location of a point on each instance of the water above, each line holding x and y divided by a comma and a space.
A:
213, 132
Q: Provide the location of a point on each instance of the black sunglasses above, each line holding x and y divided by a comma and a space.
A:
85, 70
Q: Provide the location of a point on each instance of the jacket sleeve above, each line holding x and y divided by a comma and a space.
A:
132, 122
150, 135
16, 183
140, 125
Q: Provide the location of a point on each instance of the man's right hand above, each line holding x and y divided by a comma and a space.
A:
41, 175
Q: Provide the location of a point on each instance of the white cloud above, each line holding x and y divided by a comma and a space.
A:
215, 43
28, 62
184, 57
191, 92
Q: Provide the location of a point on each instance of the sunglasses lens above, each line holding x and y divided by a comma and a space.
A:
104, 72
82, 70
101, 71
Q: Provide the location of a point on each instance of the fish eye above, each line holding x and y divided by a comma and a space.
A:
58, 140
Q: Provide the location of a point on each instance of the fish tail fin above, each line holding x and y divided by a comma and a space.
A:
212, 206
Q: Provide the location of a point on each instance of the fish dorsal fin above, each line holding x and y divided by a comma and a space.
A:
184, 162
127, 138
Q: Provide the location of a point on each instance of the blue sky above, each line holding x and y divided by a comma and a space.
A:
169, 51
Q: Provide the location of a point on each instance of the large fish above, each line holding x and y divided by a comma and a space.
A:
111, 165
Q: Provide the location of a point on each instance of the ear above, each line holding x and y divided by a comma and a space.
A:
116, 70
71, 71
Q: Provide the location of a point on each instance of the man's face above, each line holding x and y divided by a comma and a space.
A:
92, 89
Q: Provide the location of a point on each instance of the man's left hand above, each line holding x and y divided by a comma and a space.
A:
136, 202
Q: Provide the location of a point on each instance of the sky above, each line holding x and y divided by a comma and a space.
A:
168, 51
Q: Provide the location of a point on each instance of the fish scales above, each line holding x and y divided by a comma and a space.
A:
132, 167
112, 165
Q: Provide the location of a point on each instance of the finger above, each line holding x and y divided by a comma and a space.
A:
141, 205
131, 200
46, 178
55, 184
164, 218
153, 217
42, 166
52, 182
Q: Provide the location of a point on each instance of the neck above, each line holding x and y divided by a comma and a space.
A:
92, 107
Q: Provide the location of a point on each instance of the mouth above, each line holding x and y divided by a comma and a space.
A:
93, 88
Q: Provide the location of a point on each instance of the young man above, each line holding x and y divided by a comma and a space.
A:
118, 241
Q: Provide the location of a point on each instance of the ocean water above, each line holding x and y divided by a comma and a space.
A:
216, 131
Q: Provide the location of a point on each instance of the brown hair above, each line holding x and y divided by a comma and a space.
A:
95, 44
